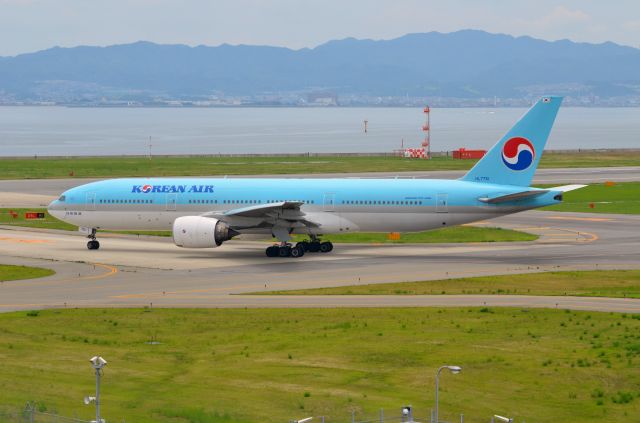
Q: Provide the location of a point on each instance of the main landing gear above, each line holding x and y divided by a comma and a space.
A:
93, 244
285, 249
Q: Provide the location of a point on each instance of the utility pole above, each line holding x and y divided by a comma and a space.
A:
97, 363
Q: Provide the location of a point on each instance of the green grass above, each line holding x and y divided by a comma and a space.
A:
50, 222
249, 365
454, 235
600, 283
600, 198
16, 217
107, 167
13, 273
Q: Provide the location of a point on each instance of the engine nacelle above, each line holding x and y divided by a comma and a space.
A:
200, 232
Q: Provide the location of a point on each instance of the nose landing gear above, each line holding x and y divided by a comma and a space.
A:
93, 244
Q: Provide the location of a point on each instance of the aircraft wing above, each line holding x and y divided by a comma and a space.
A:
261, 215
291, 208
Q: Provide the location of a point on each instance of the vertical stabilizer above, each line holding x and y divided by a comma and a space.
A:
514, 159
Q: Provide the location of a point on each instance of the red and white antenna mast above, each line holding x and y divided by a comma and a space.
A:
426, 128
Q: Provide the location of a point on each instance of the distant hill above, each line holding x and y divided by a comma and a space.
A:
466, 64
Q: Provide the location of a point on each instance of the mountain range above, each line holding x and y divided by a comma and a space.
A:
465, 64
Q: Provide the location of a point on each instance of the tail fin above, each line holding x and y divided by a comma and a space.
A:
513, 160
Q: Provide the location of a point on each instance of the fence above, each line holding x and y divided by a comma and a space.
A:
30, 414
403, 415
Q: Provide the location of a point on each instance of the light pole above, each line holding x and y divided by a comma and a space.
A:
97, 363
455, 370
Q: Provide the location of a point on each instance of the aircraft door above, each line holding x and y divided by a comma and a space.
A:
329, 201
172, 199
91, 201
442, 203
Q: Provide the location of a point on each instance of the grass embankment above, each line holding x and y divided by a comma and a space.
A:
600, 283
455, 234
107, 167
275, 365
16, 217
602, 198
14, 273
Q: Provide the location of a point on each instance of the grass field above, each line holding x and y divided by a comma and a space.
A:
455, 234
601, 283
601, 198
16, 217
106, 167
13, 273
253, 365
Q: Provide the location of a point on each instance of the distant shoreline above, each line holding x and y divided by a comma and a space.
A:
308, 154
313, 107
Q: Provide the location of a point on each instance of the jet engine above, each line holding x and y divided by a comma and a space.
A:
200, 232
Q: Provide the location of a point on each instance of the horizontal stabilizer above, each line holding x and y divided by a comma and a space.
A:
567, 188
513, 197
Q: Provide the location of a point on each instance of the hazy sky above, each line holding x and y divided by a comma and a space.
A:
31, 25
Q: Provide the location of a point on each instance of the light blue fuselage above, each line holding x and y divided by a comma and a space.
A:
205, 212
337, 205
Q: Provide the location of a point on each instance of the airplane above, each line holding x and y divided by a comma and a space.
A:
206, 212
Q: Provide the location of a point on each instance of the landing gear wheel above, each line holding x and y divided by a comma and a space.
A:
93, 245
325, 247
284, 251
314, 246
297, 251
304, 245
272, 251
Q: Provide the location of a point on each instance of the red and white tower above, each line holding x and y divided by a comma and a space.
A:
426, 128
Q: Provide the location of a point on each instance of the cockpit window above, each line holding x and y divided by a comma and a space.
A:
62, 198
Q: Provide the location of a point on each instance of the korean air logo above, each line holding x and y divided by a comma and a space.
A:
518, 153
147, 189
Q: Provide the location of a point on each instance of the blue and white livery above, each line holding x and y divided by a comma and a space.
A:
205, 212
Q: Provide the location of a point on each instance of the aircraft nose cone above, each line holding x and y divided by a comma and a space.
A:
55, 209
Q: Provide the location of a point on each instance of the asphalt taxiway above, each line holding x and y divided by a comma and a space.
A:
149, 271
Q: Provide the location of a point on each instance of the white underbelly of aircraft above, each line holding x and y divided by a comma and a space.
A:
331, 222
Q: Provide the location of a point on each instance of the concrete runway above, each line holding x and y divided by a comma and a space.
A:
129, 271
40, 192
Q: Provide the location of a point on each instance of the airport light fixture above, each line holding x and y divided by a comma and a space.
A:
98, 364
453, 369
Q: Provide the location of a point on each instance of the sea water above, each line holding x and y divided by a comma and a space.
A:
62, 131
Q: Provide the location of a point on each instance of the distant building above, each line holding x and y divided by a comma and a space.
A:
322, 98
